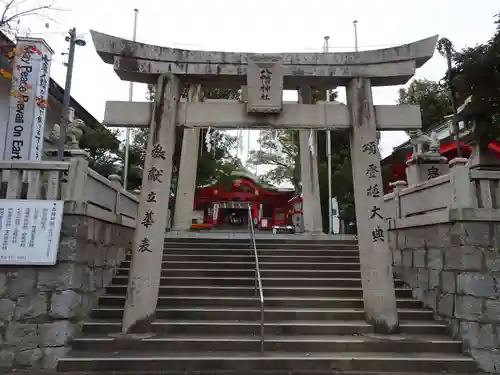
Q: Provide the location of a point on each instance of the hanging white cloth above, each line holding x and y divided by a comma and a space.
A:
311, 142
208, 139
239, 137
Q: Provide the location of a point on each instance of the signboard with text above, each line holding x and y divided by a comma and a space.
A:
234, 205
29, 231
28, 100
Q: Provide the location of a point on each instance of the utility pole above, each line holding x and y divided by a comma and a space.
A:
355, 24
73, 41
127, 131
329, 158
67, 94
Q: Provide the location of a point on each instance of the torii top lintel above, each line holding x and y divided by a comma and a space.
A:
140, 62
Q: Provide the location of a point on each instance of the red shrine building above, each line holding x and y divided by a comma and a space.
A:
396, 162
224, 204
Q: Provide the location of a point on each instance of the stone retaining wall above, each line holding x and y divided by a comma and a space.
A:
454, 268
42, 307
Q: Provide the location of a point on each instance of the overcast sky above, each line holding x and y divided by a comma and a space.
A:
259, 26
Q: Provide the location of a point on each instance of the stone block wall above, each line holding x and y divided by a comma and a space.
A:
42, 307
454, 268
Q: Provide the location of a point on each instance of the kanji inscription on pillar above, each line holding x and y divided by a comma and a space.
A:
432, 172
375, 258
264, 84
149, 234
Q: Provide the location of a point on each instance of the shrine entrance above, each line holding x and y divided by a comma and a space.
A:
231, 218
262, 77
224, 204
231, 215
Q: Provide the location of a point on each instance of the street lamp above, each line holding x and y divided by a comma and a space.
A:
73, 41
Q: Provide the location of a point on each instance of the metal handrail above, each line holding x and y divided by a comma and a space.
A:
258, 280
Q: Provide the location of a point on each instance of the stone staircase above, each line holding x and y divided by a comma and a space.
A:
208, 317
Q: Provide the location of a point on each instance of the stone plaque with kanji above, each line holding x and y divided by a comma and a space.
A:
264, 84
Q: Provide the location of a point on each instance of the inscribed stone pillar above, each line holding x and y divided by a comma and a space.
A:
424, 167
313, 222
149, 236
186, 184
376, 260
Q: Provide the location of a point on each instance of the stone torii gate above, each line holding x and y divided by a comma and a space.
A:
264, 77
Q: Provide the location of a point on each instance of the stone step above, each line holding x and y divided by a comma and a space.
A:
296, 253
249, 290
205, 362
263, 240
293, 327
234, 372
249, 281
213, 301
249, 313
311, 343
261, 245
175, 271
188, 261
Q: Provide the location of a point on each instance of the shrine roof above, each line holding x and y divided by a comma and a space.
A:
244, 174
141, 62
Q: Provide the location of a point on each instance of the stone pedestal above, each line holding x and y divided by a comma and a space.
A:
186, 184
375, 257
482, 157
425, 166
479, 138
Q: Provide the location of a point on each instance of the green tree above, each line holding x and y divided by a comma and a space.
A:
220, 161
433, 98
104, 150
476, 73
279, 150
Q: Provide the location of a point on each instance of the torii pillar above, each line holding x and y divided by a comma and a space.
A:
375, 257
186, 184
149, 235
313, 222
267, 75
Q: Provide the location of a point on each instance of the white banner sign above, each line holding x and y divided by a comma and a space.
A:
233, 205
29, 231
28, 100
335, 216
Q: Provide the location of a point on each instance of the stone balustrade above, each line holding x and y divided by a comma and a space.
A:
445, 241
42, 307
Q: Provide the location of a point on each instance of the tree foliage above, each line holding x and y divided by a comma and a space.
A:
476, 73
213, 165
433, 98
104, 150
279, 151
